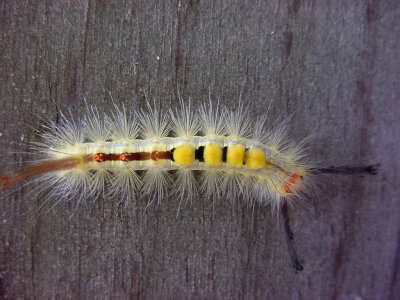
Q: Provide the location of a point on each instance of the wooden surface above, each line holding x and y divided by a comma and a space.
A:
336, 64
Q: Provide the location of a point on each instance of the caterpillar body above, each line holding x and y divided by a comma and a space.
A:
146, 153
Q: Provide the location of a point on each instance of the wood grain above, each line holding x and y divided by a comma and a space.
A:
335, 64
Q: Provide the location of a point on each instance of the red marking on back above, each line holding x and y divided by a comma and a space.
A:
290, 182
154, 155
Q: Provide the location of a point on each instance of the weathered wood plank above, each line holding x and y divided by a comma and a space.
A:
336, 64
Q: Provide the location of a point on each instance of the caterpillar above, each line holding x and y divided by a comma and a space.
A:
127, 153
152, 153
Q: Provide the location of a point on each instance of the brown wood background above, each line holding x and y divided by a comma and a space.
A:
336, 64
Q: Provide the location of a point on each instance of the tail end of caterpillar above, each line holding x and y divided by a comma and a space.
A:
5, 182
46, 166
